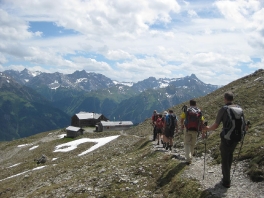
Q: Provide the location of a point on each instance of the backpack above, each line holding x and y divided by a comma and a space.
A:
193, 119
159, 123
171, 121
234, 129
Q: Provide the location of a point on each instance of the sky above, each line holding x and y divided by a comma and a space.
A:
129, 41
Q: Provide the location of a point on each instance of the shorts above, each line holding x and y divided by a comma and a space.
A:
169, 132
159, 130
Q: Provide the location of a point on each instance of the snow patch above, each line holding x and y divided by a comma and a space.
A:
40, 167
163, 85
32, 148
81, 79
61, 136
69, 146
23, 145
13, 165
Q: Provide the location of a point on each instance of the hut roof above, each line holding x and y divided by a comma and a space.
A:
72, 128
87, 115
117, 123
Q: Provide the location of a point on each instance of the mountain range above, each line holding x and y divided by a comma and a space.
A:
68, 94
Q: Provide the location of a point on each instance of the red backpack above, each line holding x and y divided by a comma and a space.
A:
193, 119
159, 123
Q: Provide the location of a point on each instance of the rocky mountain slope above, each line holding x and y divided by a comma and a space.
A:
24, 112
131, 165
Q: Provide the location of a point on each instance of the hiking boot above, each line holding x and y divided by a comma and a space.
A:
161, 141
170, 147
188, 163
167, 146
226, 185
158, 143
164, 145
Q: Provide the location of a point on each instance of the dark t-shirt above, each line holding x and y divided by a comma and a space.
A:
222, 115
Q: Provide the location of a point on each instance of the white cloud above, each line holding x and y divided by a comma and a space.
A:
12, 28
132, 40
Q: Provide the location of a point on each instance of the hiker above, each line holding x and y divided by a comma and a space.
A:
227, 147
154, 118
171, 125
192, 120
159, 127
163, 137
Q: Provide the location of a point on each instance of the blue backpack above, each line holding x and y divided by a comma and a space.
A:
171, 121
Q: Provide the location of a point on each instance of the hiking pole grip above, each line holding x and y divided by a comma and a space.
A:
248, 123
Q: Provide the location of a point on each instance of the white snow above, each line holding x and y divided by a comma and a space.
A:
61, 136
163, 85
13, 165
69, 146
55, 87
40, 167
53, 159
129, 84
81, 79
34, 147
22, 145
257, 78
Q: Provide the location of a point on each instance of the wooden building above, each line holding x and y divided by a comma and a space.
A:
73, 132
85, 119
113, 126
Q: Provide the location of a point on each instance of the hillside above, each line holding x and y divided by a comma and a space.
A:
24, 112
130, 165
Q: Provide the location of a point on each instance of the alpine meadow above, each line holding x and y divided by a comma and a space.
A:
128, 164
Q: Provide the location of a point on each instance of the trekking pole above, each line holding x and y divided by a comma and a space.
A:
247, 124
205, 124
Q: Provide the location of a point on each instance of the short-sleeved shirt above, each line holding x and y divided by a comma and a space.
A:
222, 115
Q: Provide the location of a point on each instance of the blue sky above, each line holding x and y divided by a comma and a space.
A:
219, 41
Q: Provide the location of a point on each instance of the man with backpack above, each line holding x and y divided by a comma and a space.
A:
159, 127
233, 131
192, 120
154, 118
163, 137
170, 126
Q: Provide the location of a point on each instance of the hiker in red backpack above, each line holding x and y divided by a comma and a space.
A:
159, 127
192, 120
171, 125
154, 118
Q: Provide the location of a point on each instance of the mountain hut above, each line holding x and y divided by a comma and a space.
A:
85, 119
73, 132
113, 126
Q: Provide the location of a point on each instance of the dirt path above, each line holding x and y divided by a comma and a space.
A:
241, 185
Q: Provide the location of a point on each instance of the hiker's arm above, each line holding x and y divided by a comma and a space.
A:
211, 128
182, 125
